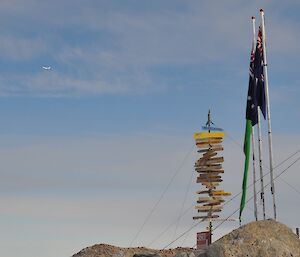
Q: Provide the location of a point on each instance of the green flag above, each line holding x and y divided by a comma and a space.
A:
248, 133
251, 120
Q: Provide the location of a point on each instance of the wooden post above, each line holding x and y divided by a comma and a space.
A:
210, 232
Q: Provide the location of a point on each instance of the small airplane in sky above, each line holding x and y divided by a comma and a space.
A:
46, 67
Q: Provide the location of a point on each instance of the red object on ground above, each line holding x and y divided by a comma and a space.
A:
203, 239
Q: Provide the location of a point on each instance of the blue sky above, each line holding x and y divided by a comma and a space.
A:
98, 137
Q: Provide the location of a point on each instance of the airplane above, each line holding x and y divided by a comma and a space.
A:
46, 67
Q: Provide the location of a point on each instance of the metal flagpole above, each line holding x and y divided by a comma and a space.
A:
254, 176
262, 193
252, 136
268, 108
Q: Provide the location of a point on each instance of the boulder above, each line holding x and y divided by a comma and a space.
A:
266, 238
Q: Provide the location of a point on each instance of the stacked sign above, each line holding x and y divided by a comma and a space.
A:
209, 167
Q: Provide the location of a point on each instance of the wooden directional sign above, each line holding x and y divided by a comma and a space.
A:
211, 172
209, 208
215, 160
209, 175
204, 180
200, 140
214, 148
204, 199
203, 192
210, 179
209, 161
208, 141
221, 193
210, 185
207, 146
209, 167
209, 198
211, 211
212, 203
207, 157
209, 154
209, 135
206, 217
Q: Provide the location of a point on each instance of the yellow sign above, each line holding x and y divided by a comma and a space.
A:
202, 135
221, 193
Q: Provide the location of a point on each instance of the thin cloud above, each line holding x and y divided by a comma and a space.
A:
21, 49
119, 50
56, 84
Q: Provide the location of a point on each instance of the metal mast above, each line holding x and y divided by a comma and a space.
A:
268, 109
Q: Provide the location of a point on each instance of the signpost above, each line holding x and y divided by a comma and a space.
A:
209, 168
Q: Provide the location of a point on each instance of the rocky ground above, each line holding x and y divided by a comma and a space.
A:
104, 250
266, 238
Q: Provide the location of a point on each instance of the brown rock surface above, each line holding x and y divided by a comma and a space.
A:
266, 238
105, 250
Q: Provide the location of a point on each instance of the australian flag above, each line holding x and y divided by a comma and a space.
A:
259, 74
256, 90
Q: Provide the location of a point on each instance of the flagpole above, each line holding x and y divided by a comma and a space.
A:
254, 176
262, 192
252, 138
268, 109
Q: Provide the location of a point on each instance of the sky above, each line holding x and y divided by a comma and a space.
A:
88, 147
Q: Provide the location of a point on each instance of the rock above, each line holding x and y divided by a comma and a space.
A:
266, 238
105, 250
146, 255
185, 254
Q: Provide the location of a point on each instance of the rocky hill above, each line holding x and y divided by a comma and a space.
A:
105, 250
266, 238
